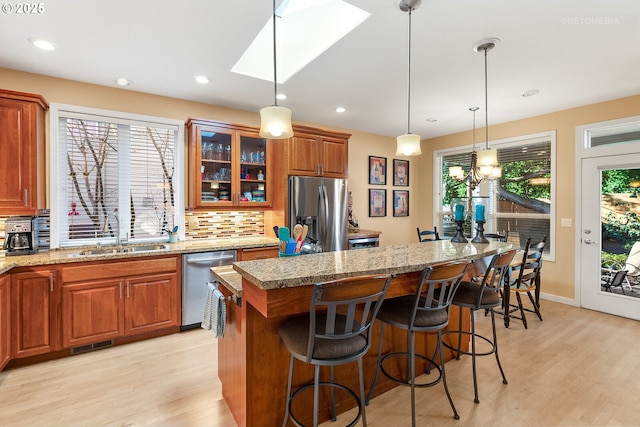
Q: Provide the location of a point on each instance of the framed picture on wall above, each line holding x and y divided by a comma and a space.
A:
377, 170
377, 202
401, 173
400, 203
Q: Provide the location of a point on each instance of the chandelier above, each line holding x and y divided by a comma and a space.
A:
484, 165
473, 178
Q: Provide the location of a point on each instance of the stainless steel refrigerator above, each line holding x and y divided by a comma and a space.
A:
320, 203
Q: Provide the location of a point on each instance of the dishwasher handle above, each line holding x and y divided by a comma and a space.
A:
210, 260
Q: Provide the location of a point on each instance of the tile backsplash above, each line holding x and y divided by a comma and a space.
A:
207, 225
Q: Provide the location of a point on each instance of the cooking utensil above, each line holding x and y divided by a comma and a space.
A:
275, 230
283, 235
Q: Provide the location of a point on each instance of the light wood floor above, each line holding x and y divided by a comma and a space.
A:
577, 368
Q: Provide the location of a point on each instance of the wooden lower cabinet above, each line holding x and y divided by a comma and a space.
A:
151, 303
5, 321
91, 312
100, 303
33, 317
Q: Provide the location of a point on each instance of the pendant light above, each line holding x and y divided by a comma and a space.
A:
409, 143
487, 158
275, 121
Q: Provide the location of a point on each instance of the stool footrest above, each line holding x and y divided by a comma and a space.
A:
325, 384
469, 353
407, 382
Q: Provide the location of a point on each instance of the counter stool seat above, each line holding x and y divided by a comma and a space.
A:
336, 331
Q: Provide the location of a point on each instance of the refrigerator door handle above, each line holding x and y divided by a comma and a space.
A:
323, 212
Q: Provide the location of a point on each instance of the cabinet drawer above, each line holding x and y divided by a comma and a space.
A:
113, 269
250, 254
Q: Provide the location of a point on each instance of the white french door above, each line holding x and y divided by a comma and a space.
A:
594, 208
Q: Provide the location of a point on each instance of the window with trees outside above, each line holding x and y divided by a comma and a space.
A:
114, 172
520, 203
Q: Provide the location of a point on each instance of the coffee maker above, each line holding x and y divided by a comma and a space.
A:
20, 236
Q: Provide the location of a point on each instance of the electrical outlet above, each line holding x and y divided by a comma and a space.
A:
566, 222
193, 222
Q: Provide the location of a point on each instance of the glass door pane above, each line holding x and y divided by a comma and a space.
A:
253, 169
216, 167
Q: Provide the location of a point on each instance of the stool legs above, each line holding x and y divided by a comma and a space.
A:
316, 394
410, 369
474, 353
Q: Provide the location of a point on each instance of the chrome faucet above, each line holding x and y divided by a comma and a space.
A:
105, 228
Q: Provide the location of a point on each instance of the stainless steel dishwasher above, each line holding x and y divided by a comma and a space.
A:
195, 275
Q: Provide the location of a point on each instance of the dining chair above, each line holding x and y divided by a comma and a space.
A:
428, 235
336, 331
524, 277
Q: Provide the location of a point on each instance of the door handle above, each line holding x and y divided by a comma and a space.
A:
590, 242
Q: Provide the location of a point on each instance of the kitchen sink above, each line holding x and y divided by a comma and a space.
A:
123, 249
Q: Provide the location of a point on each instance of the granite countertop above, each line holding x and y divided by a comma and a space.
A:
395, 259
71, 255
229, 278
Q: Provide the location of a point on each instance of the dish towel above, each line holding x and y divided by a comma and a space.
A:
215, 311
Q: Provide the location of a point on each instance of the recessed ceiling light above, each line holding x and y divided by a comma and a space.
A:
531, 92
203, 80
281, 96
340, 110
43, 44
121, 81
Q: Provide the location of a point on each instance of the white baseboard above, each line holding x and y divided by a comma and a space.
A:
562, 300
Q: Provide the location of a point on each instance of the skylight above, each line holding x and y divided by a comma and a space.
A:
305, 29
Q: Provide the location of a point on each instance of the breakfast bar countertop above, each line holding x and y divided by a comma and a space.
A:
395, 259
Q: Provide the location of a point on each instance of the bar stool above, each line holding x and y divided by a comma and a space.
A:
481, 296
336, 331
425, 310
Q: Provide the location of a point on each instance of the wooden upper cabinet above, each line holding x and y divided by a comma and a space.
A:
22, 164
229, 166
315, 152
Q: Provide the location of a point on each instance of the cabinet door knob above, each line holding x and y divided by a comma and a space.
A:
26, 197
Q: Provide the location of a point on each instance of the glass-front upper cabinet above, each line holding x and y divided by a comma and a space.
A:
228, 166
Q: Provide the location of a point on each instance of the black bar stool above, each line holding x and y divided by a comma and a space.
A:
336, 331
482, 296
425, 310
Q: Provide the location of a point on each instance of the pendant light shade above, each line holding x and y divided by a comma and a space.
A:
488, 157
275, 121
409, 143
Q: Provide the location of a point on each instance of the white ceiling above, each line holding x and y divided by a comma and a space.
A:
575, 52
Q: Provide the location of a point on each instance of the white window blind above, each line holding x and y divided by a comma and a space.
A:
112, 168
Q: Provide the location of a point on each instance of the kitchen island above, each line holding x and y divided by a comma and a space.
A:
254, 373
